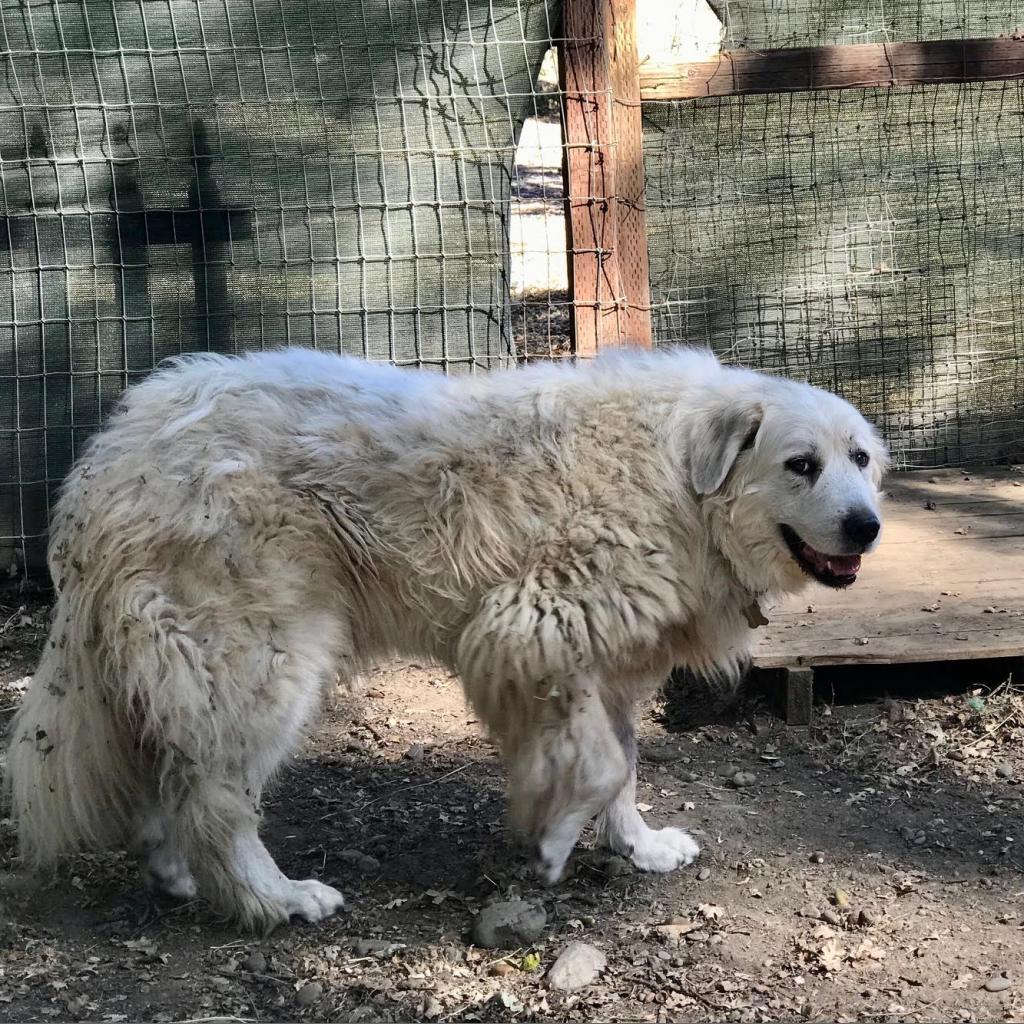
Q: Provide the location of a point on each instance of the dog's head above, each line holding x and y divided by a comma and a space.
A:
795, 472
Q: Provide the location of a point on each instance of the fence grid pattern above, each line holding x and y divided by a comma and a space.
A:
229, 175
867, 240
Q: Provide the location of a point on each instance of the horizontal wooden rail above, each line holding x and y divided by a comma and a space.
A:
858, 66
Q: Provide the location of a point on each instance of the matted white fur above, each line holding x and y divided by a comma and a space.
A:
245, 530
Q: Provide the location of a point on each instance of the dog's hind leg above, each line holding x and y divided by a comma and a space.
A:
216, 823
565, 765
215, 832
621, 827
226, 703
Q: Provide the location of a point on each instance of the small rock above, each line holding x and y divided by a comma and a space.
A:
360, 861
309, 994
255, 963
369, 1012
618, 867
578, 964
1004, 771
741, 780
998, 982
704, 874
415, 985
500, 969
375, 947
829, 916
660, 755
865, 919
509, 924
675, 929
818, 858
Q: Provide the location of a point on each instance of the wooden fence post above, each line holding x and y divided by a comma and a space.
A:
603, 172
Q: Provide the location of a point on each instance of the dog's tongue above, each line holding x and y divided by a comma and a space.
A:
837, 565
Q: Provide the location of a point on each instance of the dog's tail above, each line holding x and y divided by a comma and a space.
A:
71, 779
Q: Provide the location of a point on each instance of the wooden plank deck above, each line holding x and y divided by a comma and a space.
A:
946, 583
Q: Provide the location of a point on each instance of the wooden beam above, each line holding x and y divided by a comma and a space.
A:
603, 171
799, 696
860, 66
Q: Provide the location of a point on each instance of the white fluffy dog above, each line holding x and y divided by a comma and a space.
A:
245, 531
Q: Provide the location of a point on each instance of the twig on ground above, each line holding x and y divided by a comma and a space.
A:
418, 785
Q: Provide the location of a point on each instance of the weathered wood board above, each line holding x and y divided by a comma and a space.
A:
946, 583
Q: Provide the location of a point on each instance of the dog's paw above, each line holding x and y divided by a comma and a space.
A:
663, 849
167, 874
312, 901
551, 859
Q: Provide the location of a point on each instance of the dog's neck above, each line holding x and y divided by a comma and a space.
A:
749, 594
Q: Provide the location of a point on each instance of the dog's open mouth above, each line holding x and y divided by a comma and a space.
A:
832, 570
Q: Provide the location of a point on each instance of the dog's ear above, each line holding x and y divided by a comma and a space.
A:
717, 440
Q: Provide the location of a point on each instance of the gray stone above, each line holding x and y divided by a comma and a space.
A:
577, 965
255, 963
998, 982
360, 861
375, 947
618, 867
509, 924
309, 994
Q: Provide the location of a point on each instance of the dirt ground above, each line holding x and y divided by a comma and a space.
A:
871, 871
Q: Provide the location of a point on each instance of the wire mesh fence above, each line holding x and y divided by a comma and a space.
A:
385, 180
228, 175
868, 240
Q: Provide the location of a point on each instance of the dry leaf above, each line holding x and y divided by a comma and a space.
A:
868, 950
831, 956
710, 912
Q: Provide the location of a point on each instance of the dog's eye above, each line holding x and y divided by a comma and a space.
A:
861, 458
801, 466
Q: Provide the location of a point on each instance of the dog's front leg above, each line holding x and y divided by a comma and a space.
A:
621, 827
567, 765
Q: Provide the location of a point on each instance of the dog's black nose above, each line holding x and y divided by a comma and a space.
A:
861, 527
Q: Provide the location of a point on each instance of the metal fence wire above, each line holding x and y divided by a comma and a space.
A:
182, 175
870, 240
227, 175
